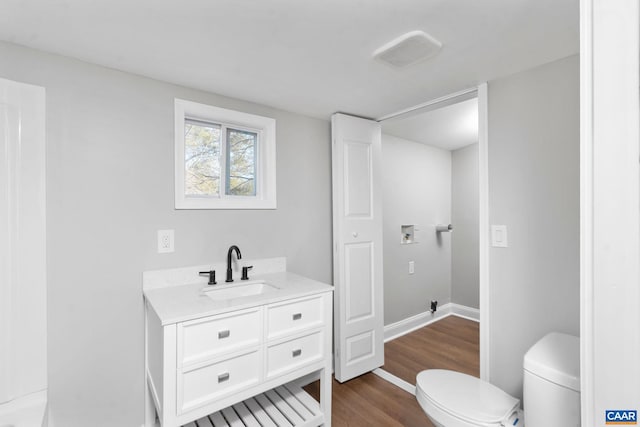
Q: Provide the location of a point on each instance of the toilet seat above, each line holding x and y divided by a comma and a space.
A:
459, 400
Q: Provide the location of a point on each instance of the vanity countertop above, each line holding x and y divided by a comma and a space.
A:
186, 302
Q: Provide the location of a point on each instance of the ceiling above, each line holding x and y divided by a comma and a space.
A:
450, 127
312, 56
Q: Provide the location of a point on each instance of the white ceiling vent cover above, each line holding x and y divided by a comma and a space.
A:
408, 49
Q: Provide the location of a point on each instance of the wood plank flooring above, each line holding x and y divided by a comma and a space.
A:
451, 343
368, 401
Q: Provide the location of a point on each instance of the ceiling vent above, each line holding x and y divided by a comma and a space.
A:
408, 49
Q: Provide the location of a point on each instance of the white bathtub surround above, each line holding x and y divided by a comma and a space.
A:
23, 285
188, 275
420, 320
206, 354
25, 411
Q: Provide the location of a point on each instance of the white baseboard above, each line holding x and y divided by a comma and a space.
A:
465, 312
410, 324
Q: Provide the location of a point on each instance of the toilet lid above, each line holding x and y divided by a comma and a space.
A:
465, 396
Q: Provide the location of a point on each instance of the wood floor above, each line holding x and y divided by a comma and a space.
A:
451, 343
369, 401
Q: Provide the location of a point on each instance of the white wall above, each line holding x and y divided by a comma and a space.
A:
110, 188
534, 190
416, 190
465, 256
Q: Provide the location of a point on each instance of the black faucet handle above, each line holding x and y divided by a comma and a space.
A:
245, 272
212, 276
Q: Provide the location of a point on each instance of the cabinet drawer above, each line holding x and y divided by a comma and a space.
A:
293, 316
293, 354
202, 385
202, 339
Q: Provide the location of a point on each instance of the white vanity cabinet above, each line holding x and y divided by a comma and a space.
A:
243, 359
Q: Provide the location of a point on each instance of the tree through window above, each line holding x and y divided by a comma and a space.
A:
201, 158
241, 162
225, 159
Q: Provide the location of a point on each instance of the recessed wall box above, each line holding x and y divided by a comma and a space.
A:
407, 234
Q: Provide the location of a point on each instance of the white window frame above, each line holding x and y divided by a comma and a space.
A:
265, 127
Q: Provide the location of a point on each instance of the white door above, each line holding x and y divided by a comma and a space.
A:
357, 252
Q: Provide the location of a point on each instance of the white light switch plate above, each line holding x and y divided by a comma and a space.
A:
165, 241
412, 266
499, 236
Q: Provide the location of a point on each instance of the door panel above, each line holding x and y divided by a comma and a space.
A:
360, 347
357, 195
358, 284
357, 233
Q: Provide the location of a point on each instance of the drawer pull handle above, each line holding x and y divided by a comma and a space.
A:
296, 353
223, 377
224, 334
297, 316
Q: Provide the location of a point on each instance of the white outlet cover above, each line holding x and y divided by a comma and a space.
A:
499, 236
165, 241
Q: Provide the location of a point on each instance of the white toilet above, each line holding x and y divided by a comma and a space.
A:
551, 391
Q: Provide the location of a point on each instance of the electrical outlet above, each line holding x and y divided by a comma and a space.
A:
165, 241
412, 267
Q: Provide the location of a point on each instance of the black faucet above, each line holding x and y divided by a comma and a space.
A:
239, 256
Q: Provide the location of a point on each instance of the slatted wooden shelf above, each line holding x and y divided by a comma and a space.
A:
285, 406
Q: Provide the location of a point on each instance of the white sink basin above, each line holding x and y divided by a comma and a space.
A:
239, 290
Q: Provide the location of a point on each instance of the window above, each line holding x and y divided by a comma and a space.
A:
225, 159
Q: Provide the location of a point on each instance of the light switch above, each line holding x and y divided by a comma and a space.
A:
499, 236
412, 266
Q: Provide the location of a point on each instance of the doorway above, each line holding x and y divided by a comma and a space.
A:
406, 232
430, 214
431, 235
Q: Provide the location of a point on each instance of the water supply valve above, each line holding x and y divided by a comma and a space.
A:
434, 306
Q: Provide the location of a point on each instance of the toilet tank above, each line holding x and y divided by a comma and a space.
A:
552, 382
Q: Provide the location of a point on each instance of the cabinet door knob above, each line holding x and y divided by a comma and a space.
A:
296, 353
223, 377
224, 334
354, 234
297, 316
